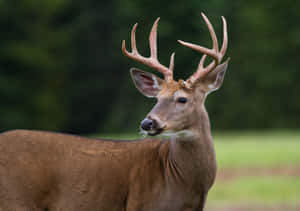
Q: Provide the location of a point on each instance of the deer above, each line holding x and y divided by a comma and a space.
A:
49, 171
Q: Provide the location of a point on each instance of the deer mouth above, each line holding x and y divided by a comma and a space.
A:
155, 132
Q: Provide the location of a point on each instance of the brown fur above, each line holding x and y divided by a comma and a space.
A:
51, 171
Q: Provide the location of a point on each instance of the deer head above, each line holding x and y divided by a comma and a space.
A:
180, 104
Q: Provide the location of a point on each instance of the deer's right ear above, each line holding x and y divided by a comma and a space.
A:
147, 83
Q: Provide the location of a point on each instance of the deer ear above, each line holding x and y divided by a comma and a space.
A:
147, 83
214, 79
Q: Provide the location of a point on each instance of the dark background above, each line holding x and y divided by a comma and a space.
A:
61, 66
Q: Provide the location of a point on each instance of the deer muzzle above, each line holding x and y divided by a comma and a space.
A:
151, 126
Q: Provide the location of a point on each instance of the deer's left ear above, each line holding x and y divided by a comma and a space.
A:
214, 79
147, 83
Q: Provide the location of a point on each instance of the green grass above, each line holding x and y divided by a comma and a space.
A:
273, 149
260, 149
263, 190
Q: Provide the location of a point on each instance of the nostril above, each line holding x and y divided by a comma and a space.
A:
147, 124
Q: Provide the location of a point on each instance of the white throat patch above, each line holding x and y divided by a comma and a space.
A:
180, 134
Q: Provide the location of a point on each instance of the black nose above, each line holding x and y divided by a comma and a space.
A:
147, 124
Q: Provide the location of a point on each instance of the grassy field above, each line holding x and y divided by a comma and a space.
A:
256, 171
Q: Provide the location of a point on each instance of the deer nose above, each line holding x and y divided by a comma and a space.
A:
147, 124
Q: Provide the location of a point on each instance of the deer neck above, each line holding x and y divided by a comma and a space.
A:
193, 152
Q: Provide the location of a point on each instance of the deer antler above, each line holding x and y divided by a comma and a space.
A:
214, 52
152, 61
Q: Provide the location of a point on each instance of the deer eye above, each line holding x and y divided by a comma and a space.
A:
182, 100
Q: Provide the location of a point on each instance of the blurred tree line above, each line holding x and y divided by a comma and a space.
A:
61, 66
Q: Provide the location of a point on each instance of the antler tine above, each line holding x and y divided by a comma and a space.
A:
133, 45
225, 37
133, 40
152, 61
211, 31
171, 66
214, 52
153, 39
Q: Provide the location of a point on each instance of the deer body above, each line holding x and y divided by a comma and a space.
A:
47, 171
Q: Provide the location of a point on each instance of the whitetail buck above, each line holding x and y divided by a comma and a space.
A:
44, 171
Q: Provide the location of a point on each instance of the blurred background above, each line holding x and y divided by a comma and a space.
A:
61, 69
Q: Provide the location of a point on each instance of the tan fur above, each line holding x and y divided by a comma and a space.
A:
168, 88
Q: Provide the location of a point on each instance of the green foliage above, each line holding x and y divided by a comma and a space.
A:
32, 55
61, 66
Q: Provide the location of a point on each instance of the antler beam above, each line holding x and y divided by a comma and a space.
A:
152, 61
